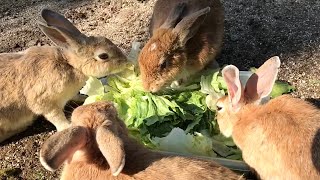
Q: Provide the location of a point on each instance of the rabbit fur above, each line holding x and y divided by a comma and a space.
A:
279, 139
40, 80
97, 146
186, 37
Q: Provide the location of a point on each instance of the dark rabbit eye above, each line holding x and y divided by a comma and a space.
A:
219, 108
165, 64
103, 56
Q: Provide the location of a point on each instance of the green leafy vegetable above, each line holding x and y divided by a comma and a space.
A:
155, 120
180, 120
280, 88
181, 142
93, 87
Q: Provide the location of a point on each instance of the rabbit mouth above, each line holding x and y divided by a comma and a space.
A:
159, 86
117, 71
104, 71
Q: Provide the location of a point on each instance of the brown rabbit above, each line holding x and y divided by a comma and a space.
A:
186, 35
279, 139
97, 146
40, 80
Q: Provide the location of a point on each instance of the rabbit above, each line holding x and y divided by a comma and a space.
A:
280, 138
97, 146
186, 37
40, 80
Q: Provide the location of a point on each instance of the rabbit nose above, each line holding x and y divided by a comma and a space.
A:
147, 87
153, 89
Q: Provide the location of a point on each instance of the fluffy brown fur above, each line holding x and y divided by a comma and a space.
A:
40, 80
187, 48
88, 162
280, 139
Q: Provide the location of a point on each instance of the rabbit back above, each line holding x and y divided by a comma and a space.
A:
32, 82
14, 113
181, 168
149, 167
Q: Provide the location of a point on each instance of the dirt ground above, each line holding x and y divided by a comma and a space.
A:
254, 31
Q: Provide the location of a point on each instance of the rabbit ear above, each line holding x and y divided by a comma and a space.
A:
111, 146
260, 84
57, 20
60, 30
230, 74
60, 146
174, 16
190, 24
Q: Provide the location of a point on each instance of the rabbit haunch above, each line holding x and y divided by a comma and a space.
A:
97, 146
279, 139
186, 37
40, 80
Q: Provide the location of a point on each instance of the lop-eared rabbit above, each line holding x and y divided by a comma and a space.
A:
97, 146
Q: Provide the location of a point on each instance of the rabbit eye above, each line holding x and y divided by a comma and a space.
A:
103, 56
219, 108
163, 65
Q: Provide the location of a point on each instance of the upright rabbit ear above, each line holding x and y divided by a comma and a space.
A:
230, 74
260, 84
174, 16
59, 21
60, 30
190, 24
62, 145
111, 146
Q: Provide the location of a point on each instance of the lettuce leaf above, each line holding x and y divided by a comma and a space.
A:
180, 120
280, 88
181, 142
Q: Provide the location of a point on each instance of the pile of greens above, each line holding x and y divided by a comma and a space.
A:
177, 121
181, 121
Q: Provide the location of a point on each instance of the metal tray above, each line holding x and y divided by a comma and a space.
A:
235, 165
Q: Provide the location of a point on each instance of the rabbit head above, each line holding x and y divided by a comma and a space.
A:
95, 128
163, 59
93, 56
258, 86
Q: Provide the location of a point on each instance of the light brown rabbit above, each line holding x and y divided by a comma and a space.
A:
186, 35
279, 139
40, 80
97, 146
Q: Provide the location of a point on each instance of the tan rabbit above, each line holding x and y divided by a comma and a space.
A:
40, 80
97, 146
186, 35
279, 139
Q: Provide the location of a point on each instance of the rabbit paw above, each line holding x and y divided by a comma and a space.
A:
63, 125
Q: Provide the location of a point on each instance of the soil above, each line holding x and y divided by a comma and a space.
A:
254, 31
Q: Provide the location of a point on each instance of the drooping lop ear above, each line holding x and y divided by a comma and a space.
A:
111, 146
60, 30
62, 145
174, 16
190, 24
230, 74
260, 84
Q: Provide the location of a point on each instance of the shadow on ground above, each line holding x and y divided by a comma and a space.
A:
315, 102
257, 30
315, 150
